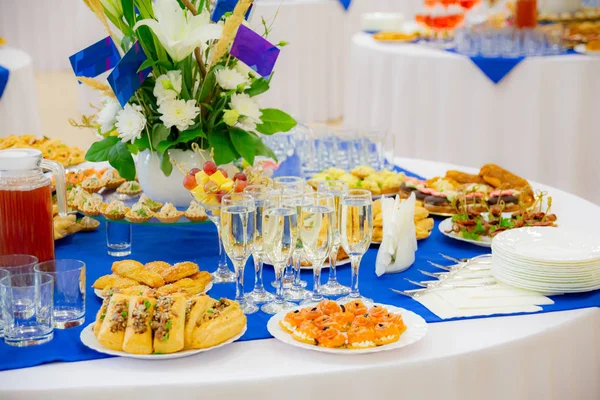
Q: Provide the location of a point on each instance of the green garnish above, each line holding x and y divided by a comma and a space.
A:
142, 212
166, 337
359, 184
470, 235
479, 228
506, 223
210, 310
147, 304
460, 217
169, 324
114, 212
124, 314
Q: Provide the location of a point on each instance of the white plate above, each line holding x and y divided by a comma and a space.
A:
88, 339
446, 225
325, 265
90, 164
580, 48
416, 329
551, 245
98, 292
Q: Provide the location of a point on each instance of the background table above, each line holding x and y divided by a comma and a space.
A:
546, 356
541, 121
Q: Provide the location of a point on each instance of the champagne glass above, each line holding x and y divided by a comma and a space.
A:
296, 292
315, 224
337, 189
260, 194
292, 273
213, 209
238, 230
356, 229
280, 236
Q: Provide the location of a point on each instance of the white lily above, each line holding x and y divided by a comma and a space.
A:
178, 31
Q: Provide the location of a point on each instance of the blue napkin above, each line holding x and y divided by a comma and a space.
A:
346, 4
4, 73
95, 59
125, 78
254, 51
225, 6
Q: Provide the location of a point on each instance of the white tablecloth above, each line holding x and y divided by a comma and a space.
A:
541, 121
19, 112
552, 356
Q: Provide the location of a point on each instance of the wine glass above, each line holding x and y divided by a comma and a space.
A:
356, 229
280, 236
259, 295
238, 230
337, 189
316, 226
292, 279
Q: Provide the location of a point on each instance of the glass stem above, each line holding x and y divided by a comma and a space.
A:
355, 261
258, 277
317, 281
239, 282
222, 266
279, 277
297, 260
333, 263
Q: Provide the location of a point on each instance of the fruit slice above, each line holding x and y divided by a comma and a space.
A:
227, 186
202, 177
218, 178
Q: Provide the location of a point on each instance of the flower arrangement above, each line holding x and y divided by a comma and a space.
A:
196, 94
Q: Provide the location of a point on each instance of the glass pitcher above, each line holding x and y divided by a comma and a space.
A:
26, 225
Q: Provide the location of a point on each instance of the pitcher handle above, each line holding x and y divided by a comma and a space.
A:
60, 182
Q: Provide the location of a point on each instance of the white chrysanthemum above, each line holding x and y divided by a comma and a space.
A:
130, 123
229, 79
244, 69
247, 124
107, 117
245, 106
168, 86
179, 113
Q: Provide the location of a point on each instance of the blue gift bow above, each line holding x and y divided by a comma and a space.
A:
4, 73
225, 6
255, 51
124, 79
95, 59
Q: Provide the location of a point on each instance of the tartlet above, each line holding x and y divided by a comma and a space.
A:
148, 202
112, 179
130, 188
88, 224
76, 197
362, 171
92, 206
168, 214
139, 213
93, 184
116, 210
195, 212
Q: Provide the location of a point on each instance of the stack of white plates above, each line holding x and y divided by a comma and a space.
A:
547, 260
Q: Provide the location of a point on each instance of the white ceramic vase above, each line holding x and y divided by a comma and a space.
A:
170, 188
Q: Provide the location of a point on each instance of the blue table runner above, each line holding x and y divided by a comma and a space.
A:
198, 243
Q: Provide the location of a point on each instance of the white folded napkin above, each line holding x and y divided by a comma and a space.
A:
399, 243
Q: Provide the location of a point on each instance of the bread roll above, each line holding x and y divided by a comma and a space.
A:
218, 324
112, 331
197, 307
101, 315
135, 270
168, 323
138, 334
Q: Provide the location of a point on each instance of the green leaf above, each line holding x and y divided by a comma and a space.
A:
209, 84
479, 228
145, 8
261, 149
120, 159
223, 148
165, 163
147, 63
99, 151
159, 134
275, 121
184, 137
127, 42
129, 12
143, 143
257, 87
244, 143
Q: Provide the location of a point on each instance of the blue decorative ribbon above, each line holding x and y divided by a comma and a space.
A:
124, 79
225, 6
255, 51
95, 59
4, 73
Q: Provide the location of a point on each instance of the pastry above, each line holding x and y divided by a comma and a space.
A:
88, 224
101, 315
76, 197
113, 280
148, 202
464, 178
92, 184
195, 309
362, 171
500, 178
138, 334
92, 206
187, 286
168, 323
168, 214
195, 212
64, 226
112, 179
218, 324
135, 290
160, 267
139, 213
179, 271
130, 188
134, 270
116, 210
112, 331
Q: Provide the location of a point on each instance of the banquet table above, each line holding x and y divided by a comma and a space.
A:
540, 121
542, 356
